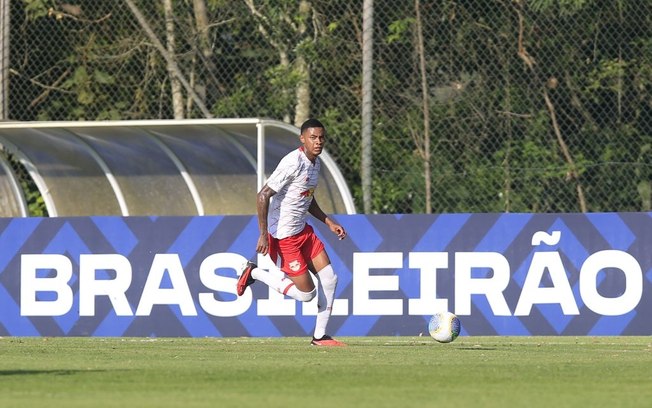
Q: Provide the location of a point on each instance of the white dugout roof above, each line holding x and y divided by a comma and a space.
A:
139, 168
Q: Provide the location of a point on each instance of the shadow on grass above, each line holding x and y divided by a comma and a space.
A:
49, 372
431, 344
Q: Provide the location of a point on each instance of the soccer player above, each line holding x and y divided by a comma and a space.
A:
285, 235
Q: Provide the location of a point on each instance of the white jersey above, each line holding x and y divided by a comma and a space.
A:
294, 180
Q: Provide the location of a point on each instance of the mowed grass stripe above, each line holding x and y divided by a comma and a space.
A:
370, 372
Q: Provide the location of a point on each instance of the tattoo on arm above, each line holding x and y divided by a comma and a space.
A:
262, 207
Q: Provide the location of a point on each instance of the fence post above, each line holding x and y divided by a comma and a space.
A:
367, 100
4, 59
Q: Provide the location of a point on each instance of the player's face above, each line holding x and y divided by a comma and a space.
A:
313, 140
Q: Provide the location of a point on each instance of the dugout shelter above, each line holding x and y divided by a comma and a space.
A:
144, 168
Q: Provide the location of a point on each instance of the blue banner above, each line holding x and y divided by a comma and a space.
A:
502, 274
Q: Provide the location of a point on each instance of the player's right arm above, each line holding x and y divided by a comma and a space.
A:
262, 208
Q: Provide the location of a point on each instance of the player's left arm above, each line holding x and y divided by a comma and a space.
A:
317, 212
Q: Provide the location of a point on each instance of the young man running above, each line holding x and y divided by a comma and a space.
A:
285, 235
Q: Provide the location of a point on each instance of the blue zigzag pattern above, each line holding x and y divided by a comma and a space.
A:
194, 239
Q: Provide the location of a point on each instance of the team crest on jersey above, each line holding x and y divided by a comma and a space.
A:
308, 193
295, 265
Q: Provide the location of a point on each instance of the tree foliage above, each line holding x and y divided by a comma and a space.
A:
541, 105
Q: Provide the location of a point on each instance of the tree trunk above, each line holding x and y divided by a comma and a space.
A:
175, 84
530, 62
302, 68
299, 64
302, 108
425, 95
284, 58
573, 173
212, 87
169, 59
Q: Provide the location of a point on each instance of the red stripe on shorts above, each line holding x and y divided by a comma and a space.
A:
287, 288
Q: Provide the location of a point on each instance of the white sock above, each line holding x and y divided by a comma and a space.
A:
325, 296
281, 284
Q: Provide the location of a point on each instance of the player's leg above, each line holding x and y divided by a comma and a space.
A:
296, 283
295, 287
327, 280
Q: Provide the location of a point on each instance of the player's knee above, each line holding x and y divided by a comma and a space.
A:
329, 281
327, 277
307, 296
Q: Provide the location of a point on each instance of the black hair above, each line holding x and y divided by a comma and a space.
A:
311, 123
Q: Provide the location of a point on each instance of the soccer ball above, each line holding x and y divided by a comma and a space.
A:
444, 327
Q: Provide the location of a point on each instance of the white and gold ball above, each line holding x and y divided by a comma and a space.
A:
444, 327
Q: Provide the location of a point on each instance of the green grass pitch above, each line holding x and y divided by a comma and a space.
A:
370, 372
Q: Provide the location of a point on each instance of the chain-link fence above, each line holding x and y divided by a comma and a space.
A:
478, 105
